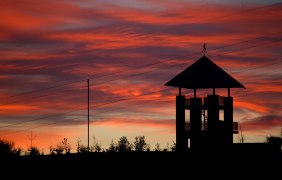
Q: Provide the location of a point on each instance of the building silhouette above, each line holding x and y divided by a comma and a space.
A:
205, 128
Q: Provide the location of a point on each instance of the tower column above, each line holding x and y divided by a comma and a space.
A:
213, 119
181, 141
195, 122
228, 120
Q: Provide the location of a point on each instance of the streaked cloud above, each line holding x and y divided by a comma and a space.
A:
129, 49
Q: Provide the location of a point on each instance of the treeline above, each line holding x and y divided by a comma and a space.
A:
7, 148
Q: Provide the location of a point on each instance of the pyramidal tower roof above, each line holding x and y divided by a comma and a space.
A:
204, 74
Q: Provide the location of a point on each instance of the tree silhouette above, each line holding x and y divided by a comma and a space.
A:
96, 147
124, 145
275, 142
52, 150
80, 148
8, 148
157, 147
59, 149
62, 147
241, 137
113, 147
148, 147
66, 146
33, 151
140, 143
173, 146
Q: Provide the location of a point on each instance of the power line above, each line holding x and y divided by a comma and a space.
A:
157, 63
170, 66
36, 97
111, 102
258, 67
139, 67
146, 35
192, 54
127, 32
39, 126
45, 117
99, 105
43, 89
185, 63
73, 111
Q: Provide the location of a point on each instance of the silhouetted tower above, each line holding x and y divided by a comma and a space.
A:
205, 128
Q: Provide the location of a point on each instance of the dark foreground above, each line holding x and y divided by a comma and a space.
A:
167, 165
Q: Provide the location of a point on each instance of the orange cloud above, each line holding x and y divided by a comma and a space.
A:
137, 122
45, 43
18, 109
251, 106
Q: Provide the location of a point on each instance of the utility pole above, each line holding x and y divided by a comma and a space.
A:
88, 112
31, 138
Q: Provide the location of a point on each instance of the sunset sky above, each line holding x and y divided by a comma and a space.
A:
129, 49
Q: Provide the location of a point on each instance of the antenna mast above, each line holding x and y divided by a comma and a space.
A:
88, 98
31, 138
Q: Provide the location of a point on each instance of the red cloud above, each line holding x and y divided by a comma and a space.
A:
163, 124
45, 43
262, 123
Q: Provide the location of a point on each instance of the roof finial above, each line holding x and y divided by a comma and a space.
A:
204, 49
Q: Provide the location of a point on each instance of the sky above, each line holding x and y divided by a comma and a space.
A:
129, 49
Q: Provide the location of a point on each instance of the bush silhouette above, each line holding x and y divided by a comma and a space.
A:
275, 142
